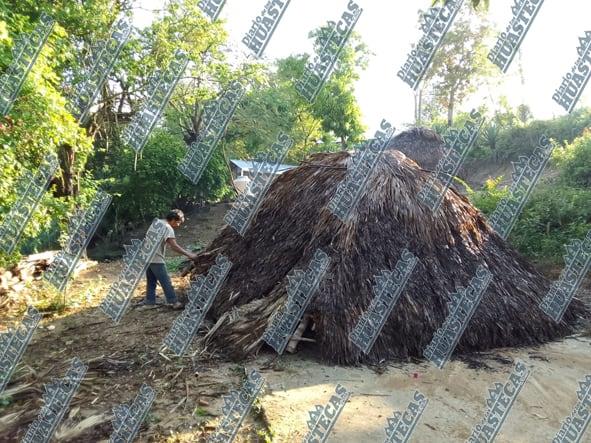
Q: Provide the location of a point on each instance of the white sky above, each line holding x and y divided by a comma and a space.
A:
390, 27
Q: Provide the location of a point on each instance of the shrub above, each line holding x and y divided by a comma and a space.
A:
487, 198
574, 162
557, 212
554, 216
510, 141
156, 185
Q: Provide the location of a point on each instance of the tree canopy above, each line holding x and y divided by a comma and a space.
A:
93, 156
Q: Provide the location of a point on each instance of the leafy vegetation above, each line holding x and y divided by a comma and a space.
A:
484, 4
93, 156
558, 210
512, 138
487, 198
458, 68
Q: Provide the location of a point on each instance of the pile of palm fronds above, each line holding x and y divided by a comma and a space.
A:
293, 221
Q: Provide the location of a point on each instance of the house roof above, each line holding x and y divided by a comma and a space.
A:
250, 165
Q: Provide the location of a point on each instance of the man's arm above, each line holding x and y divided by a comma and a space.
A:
175, 247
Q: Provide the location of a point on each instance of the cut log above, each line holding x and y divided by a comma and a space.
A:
14, 279
46, 256
297, 335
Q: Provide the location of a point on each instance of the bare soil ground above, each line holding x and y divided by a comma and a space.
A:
189, 390
477, 172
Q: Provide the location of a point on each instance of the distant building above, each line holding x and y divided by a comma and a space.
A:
247, 168
243, 172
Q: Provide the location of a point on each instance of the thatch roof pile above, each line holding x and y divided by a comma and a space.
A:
425, 153
293, 222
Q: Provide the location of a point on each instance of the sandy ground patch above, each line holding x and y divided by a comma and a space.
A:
456, 395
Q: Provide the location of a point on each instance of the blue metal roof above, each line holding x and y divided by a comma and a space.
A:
249, 165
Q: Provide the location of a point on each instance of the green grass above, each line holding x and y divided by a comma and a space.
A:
200, 412
173, 264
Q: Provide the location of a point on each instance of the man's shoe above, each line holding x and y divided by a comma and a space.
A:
143, 304
176, 305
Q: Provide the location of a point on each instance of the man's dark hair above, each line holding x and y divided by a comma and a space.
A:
175, 214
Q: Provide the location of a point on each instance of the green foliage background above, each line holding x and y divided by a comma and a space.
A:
93, 157
559, 209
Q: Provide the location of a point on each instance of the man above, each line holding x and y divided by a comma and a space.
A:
156, 271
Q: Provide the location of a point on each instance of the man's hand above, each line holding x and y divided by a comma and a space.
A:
192, 256
175, 247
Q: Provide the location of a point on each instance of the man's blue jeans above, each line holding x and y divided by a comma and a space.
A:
156, 272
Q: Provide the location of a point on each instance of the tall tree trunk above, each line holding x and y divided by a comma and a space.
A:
450, 108
417, 108
195, 124
66, 186
420, 107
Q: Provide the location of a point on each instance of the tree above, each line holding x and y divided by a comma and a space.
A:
273, 104
459, 66
524, 114
180, 25
504, 115
92, 155
270, 106
39, 122
336, 105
